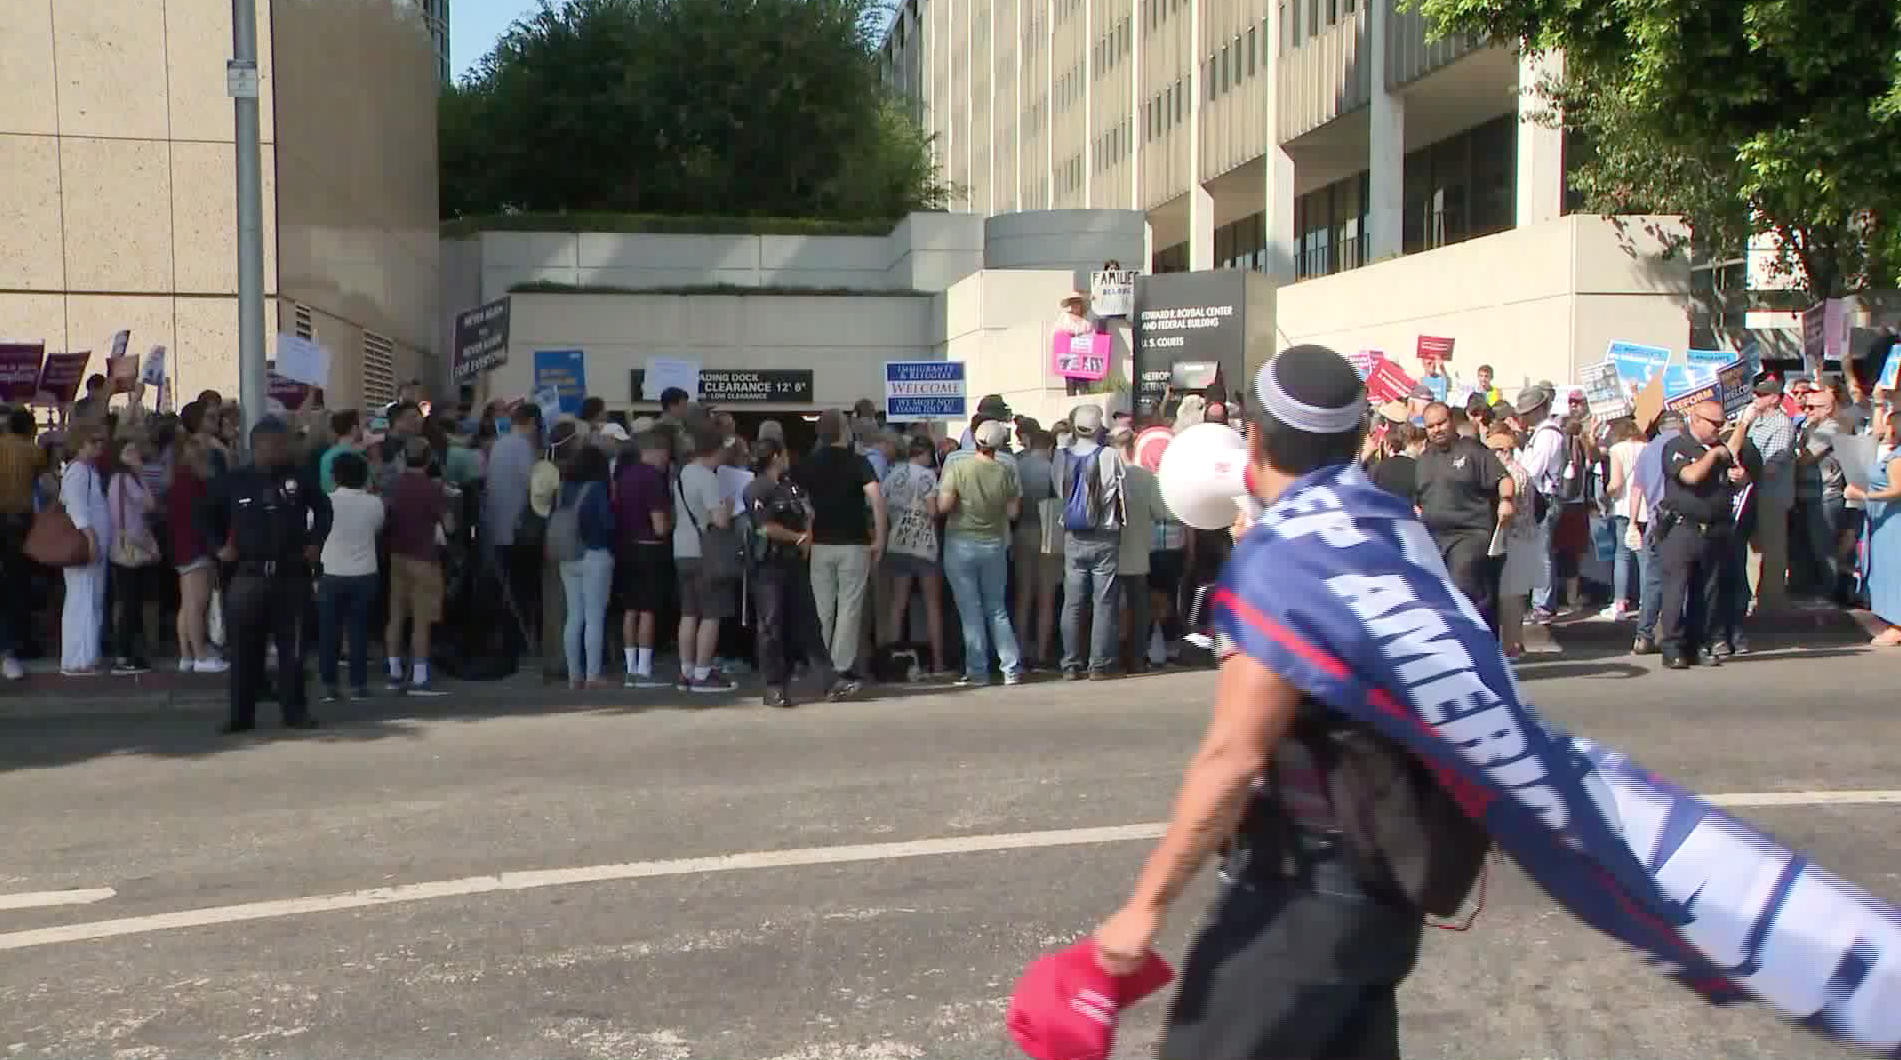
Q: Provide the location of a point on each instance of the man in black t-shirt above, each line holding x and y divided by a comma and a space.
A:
848, 534
1462, 492
1696, 521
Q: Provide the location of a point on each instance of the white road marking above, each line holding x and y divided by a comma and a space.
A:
760, 859
41, 899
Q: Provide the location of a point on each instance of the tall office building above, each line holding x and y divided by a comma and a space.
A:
1329, 143
117, 201
436, 14
1331, 131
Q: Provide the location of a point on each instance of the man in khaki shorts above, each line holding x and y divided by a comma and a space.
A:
417, 506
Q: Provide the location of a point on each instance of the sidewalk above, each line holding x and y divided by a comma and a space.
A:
1802, 624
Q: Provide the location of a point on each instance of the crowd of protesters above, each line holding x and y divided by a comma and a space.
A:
1704, 521
674, 534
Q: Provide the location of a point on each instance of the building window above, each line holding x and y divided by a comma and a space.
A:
1224, 67
300, 325
1250, 53
1178, 101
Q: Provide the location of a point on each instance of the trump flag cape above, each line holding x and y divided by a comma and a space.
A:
1341, 591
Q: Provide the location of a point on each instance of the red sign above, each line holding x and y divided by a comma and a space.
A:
61, 376
1389, 382
20, 369
1434, 349
1084, 356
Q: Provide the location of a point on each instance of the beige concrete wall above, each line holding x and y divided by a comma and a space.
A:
1535, 303
998, 322
356, 151
116, 163
844, 340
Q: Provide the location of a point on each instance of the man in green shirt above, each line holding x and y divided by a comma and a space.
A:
980, 495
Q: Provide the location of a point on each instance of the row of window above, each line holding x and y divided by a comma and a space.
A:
1113, 48
1069, 89
1460, 188
1236, 59
1112, 146
1069, 175
1162, 112
1302, 19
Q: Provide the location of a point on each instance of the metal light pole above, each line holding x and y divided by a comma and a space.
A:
241, 84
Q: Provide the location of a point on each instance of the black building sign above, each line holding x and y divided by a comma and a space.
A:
481, 340
1193, 328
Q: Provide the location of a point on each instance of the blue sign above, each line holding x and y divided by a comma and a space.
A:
566, 371
1637, 364
1681, 379
1715, 358
925, 390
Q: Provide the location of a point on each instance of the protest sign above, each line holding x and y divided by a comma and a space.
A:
153, 372
122, 373
664, 373
1605, 392
288, 392
301, 359
1434, 348
1084, 356
20, 369
566, 371
1364, 360
1389, 382
1891, 371
1112, 294
60, 377
1649, 405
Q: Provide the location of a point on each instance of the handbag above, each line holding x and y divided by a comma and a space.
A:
132, 546
55, 541
719, 548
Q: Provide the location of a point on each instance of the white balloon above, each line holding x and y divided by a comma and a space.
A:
1204, 475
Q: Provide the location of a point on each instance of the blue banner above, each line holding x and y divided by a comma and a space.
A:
566, 371
925, 390
1340, 590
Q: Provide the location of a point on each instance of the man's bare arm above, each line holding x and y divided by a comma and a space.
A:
1253, 709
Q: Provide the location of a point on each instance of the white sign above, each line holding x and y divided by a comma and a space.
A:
664, 372
240, 78
549, 398
303, 361
925, 390
1112, 294
1605, 391
153, 374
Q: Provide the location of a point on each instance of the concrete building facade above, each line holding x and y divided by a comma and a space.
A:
1306, 139
117, 202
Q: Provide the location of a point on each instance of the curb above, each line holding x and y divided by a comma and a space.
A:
1794, 628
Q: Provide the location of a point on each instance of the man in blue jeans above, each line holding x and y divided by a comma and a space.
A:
1649, 479
1091, 545
1545, 461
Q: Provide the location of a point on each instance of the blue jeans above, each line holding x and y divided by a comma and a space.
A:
1089, 571
1650, 580
1541, 590
977, 568
1627, 567
586, 582
344, 601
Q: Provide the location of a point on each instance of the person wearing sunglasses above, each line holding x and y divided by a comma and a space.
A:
1696, 520
1821, 507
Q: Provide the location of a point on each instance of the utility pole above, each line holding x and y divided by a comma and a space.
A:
241, 84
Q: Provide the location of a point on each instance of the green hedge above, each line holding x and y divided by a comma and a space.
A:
462, 227
740, 290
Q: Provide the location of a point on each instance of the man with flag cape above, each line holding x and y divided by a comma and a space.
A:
1337, 598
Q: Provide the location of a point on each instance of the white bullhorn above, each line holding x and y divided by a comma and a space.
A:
1204, 475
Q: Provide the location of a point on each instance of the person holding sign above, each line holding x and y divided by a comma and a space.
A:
1882, 498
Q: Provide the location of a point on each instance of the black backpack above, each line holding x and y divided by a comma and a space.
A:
1407, 835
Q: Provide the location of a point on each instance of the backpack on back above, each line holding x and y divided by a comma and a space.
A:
1090, 505
1407, 835
563, 535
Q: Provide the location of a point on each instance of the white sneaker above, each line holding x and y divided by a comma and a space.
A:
11, 668
213, 665
187, 665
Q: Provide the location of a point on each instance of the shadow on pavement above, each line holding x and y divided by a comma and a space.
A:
1575, 668
47, 739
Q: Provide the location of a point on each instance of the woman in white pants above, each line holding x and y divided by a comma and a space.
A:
82, 489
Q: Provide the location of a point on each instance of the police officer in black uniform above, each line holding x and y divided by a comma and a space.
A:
271, 518
1695, 520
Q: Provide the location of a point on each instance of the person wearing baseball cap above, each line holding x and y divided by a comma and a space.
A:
1772, 432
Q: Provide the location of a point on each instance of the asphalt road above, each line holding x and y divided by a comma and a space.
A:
871, 876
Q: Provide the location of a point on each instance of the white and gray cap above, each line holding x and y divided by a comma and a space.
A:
1312, 389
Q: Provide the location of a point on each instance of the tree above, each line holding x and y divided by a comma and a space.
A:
730, 107
1744, 116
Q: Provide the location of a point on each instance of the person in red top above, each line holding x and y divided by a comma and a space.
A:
191, 554
417, 506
